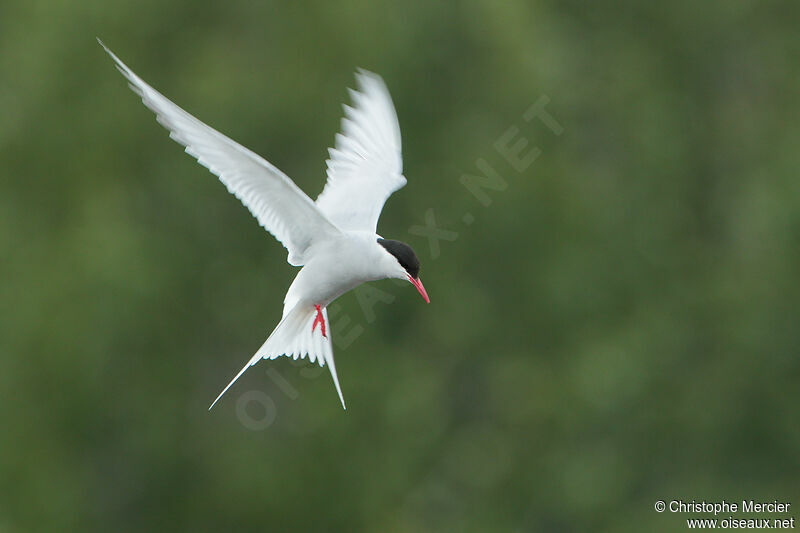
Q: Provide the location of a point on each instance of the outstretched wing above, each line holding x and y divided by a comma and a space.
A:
366, 165
277, 203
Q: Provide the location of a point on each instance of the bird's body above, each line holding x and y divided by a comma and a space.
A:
336, 266
332, 239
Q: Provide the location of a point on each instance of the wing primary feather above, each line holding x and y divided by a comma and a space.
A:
276, 201
365, 165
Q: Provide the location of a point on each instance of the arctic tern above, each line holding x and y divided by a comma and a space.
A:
334, 238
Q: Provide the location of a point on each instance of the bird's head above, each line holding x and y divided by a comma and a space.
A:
404, 264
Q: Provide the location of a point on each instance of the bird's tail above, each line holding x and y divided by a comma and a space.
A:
301, 333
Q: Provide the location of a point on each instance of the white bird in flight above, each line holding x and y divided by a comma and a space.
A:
334, 239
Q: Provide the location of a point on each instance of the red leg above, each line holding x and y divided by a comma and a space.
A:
320, 319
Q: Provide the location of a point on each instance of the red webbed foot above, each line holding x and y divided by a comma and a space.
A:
320, 319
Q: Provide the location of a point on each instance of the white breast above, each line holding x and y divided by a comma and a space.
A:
337, 266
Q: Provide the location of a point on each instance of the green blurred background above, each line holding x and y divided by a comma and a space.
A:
618, 326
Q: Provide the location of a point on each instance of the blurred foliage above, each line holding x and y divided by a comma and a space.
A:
620, 325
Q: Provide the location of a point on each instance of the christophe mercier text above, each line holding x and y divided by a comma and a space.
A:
747, 506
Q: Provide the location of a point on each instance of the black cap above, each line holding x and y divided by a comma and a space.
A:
404, 255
